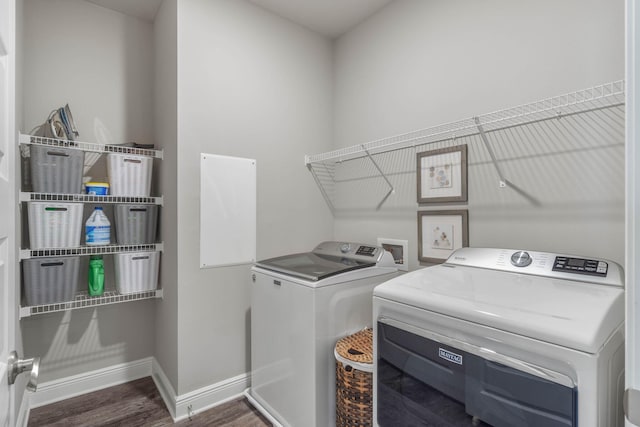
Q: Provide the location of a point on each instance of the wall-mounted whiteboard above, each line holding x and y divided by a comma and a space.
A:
227, 210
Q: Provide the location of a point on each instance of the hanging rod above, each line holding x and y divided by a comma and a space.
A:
604, 96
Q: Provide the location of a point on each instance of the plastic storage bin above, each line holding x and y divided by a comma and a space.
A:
56, 169
136, 224
54, 225
50, 280
354, 379
129, 175
136, 272
97, 188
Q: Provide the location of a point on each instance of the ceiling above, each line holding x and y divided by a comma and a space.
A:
331, 18
143, 9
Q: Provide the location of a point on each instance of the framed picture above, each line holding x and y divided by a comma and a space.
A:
399, 249
442, 175
440, 233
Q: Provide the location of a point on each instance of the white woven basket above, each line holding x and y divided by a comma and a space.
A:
54, 225
129, 175
137, 271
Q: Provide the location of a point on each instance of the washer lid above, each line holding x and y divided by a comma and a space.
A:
329, 259
568, 313
311, 266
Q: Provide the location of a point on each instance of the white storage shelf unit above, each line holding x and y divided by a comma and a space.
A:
82, 299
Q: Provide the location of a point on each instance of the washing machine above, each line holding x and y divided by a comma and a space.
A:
503, 338
301, 304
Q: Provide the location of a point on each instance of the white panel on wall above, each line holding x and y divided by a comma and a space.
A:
227, 210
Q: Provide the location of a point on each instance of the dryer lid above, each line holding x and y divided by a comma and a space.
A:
577, 315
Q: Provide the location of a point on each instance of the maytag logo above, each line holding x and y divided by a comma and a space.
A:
451, 357
460, 258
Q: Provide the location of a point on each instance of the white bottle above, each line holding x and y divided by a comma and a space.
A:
98, 228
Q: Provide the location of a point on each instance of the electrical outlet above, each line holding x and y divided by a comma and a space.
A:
399, 249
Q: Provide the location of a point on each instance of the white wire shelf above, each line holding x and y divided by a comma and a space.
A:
375, 169
84, 300
595, 98
89, 250
88, 146
89, 198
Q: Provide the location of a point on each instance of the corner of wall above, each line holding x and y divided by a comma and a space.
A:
165, 124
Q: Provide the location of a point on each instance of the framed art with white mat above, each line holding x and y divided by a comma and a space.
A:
442, 175
440, 233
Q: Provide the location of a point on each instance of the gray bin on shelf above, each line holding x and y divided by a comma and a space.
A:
56, 169
50, 280
136, 224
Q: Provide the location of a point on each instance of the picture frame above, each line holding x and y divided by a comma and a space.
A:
399, 249
442, 175
440, 233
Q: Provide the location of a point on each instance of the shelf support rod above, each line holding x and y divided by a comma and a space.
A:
485, 140
321, 187
391, 189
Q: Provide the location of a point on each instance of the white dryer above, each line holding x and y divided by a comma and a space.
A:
301, 304
503, 338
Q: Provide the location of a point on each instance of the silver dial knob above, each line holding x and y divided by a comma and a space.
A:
521, 259
345, 247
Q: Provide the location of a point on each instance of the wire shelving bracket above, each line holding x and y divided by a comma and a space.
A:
89, 198
487, 145
84, 300
90, 250
88, 146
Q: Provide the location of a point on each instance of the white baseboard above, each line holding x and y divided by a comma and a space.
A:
165, 388
261, 409
65, 388
207, 397
180, 407
188, 404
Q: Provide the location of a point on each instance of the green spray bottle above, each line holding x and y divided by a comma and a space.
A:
96, 275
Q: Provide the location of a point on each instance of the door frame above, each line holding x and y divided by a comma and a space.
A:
8, 40
632, 210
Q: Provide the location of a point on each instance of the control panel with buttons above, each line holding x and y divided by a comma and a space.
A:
553, 265
366, 250
351, 251
580, 266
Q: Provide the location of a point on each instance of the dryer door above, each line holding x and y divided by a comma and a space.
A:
422, 382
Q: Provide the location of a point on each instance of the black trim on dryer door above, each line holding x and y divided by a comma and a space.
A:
421, 382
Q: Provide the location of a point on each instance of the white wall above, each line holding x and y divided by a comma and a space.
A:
417, 64
101, 63
97, 60
166, 118
250, 85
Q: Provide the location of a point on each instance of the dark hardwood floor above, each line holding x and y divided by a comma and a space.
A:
138, 403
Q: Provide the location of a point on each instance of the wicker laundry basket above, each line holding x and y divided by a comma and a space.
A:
354, 380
